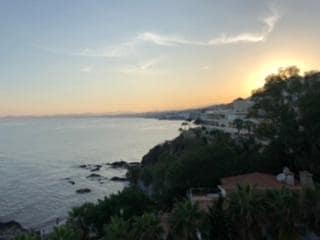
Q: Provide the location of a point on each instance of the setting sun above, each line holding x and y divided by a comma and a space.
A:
257, 78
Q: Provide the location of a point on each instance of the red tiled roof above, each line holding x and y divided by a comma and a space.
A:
261, 181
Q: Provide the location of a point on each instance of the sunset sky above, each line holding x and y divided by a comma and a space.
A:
83, 56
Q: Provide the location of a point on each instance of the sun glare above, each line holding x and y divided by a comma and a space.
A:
257, 78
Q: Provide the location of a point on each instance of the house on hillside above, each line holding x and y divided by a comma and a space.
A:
261, 181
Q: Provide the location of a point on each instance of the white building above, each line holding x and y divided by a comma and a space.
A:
223, 117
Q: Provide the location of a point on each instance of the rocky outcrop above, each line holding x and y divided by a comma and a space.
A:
119, 179
83, 190
119, 164
123, 164
11, 230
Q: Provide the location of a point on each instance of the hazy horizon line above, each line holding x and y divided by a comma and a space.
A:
108, 114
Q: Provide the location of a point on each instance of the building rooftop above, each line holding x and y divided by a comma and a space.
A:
260, 181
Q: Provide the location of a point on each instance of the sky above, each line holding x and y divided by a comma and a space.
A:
115, 56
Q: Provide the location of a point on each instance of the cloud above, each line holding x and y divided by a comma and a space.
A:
115, 51
166, 40
269, 24
243, 37
144, 68
86, 69
130, 47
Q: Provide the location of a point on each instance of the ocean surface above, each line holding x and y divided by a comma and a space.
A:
40, 156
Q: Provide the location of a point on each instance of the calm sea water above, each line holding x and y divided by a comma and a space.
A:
37, 155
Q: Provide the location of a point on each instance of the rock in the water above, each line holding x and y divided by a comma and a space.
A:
94, 175
91, 167
11, 230
134, 164
71, 182
97, 177
119, 179
96, 168
83, 190
119, 164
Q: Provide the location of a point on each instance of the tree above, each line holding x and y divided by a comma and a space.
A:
311, 209
239, 124
245, 208
218, 222
248, 125
288, 107
146, 227
117, 229
93, 217
282, 213
185, 221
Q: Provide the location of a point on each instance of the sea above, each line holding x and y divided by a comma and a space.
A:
40, 162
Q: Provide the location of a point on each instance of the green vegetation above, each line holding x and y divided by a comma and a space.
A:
28, 237
64, 232
197, 158
288, 111
288, 106
245, 214
185, 221
93, 217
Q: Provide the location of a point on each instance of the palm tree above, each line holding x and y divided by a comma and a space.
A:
146, 227
64, 233
238, 124
218, 221
117, 229
248, 125
185, 221
245, 207
311, 209
282, 213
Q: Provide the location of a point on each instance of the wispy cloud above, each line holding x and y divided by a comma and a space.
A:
112, 51
115, 51
166, 40
131, 46
86, 69
144, 68
269, 24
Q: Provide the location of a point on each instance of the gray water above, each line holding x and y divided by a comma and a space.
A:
37, 155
